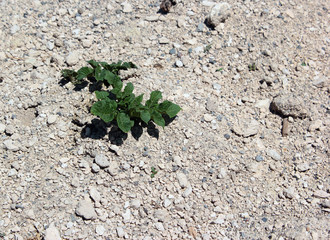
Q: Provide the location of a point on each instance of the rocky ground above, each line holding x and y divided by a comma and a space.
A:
246, 158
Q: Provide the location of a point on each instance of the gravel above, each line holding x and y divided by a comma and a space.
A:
240, 70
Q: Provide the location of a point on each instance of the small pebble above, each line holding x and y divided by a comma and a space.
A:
172, 51
51, 119
120, 232
200, 27
259, 158
100, 230
178, 63
227, 136
102, 161
274, 154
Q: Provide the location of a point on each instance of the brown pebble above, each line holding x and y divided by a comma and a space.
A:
285, 127
192, 232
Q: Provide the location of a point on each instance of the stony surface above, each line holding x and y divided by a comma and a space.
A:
224, 170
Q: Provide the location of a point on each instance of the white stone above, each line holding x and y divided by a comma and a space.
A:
290, 193
167, 202
177, 160
113, 168
188, 191
220, 219
302, 167
265, 103
100, 230
182, 179
14, 29
321, 194
164, 40
102, 161
181, 22
208, 3
95, 195
30, 214
87, 43
159, 226
315, 125
52, 233
152, 18
2, 128
10, 145
274, 155
218, 14
86, 209
12, 172
178, 63
127, 8
51, 119
50, 45
127, 215
135, 203
208, 117
191, 41
72, 58
246, 127
115, 148
120, 232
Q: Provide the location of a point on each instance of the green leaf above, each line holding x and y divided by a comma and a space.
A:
101, 95
169, 108
84, 72
155, 96
105, 109
67, 73
93, 63
128, 89
145, 116
124, 122
136, 103
138, 100
103, 64
117, 86
109, 76
173, 110
128, 65
158, 118
70, 75
98, 73
162, 107
130, 98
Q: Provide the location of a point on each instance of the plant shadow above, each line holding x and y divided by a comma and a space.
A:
98, 129
92, 84
77, 87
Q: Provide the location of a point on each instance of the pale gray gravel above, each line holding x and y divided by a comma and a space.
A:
224, 170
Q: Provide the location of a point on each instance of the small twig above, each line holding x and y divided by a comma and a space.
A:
285, 127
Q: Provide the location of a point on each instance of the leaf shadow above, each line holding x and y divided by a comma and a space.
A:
152, 130
97, 129
117, 136
77, 87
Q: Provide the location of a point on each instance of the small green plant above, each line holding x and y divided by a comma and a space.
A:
252, 67
153, 172
100, 71
303, 64
207, 48
219, 70
122, 105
